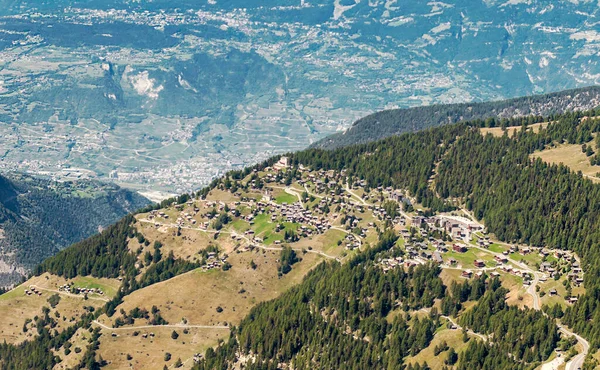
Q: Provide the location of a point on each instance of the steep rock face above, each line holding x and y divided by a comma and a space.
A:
40, 217
201, 87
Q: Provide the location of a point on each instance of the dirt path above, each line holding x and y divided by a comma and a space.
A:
469, 331
70, 294
174, 326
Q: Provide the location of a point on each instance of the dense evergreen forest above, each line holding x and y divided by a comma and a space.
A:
398, 121
40, 217
356, 316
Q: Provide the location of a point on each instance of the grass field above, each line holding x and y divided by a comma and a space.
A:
466, 259
454, 340
560, 289
195, 296
571, 156
497, 248
149, 353
286, 198
326, 242
450, 275
517, 295
263, 225
531, 259
240, 225
108, 286
498, 132
79, 340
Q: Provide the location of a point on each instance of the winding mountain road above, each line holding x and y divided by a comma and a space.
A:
576, 362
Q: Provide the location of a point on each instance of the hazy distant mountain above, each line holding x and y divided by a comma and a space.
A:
40, 217
167, 94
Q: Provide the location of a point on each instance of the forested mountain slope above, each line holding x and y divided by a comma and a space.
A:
40, 217
521, 201
397, 121
351, 312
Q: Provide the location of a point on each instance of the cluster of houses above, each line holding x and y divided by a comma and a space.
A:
468, 274
295, 213
214, 261
186, 216
459, 228
518, 272
390, 263
153, 214
32, 290
68, 288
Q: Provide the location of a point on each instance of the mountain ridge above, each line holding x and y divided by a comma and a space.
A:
40, 217
386, 123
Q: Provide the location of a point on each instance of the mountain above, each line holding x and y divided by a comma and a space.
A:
452, 247
40, 217
397, 121
165, 95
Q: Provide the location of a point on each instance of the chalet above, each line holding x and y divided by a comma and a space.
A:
459, 248
467, 274
417, 220
501, 259
552, 292
479, 263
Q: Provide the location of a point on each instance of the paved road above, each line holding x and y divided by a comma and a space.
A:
531, 290
577, 361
